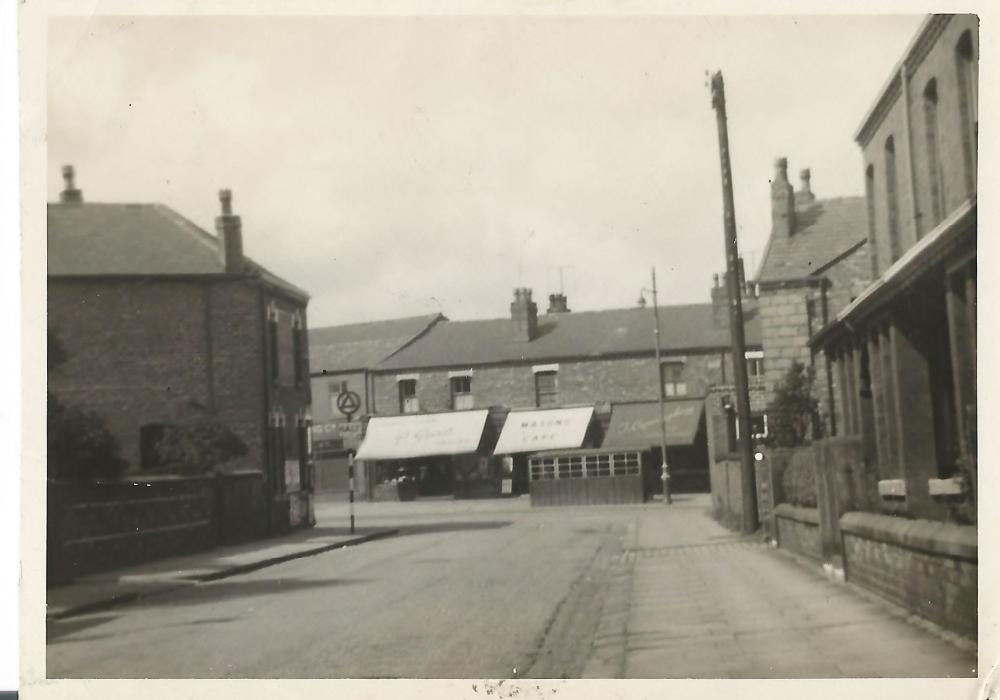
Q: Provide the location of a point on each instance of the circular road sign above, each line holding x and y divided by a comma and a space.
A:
348, 402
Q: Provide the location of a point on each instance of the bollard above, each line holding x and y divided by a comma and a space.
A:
350, 485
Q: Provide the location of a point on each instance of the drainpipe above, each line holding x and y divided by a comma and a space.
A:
908, 138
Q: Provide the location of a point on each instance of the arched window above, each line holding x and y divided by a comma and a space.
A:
934, 178
891, 199
968, 104
870, 200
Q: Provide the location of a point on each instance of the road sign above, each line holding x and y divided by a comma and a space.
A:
348, 403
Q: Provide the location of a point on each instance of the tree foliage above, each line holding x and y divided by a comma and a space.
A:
792, 412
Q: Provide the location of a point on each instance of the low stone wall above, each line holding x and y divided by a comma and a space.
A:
103, 525
929, 568
798, 530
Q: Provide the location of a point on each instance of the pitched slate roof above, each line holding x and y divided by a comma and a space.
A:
363, 345
568, 335
136, 239
824, 231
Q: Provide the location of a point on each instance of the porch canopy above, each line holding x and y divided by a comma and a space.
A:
550, 429
423, 435
639, 423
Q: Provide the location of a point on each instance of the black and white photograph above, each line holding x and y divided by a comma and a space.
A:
513, 348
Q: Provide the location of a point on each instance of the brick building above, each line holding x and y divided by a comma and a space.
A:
543, 368
157, 315
341, 360
904, 350
816, 262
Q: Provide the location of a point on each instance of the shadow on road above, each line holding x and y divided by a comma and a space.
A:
428, 528
56, 629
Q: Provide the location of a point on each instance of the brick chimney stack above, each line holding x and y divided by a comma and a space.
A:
230, 232
523, 315
557, 304
805, 194
70, 195
782, 201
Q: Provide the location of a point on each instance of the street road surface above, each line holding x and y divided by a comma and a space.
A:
467, 589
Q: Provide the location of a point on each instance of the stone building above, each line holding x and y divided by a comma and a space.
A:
815, 262
904, 350
598, 367
157, 316
341, 360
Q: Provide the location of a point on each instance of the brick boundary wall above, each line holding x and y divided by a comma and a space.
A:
798, 530
929, 568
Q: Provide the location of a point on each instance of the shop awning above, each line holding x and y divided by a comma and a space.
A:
424, 435
639, 423
552, 429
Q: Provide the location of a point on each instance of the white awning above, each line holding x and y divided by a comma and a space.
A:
402, 437
553, 429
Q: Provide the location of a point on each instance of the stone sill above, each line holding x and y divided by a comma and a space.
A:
947, 539
892, 488
798, 514
945, 487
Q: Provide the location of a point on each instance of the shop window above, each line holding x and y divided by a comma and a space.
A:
968, 104
892, 201
408, 402
461, 393
870, 201
149, 437
673, 379
934, 179
546, 389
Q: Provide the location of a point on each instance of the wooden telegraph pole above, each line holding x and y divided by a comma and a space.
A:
733, 283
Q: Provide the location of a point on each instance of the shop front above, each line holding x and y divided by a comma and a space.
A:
431, 454
639, 424
527, 432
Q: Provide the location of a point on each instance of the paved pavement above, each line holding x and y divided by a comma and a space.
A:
107, 589
700, 602
495, 589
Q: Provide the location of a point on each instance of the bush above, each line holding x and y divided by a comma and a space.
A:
79, 445
793, 412
197, 442
799, 480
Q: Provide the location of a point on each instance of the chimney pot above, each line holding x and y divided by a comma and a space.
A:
523, 315
781, 168
70, 194
226, 198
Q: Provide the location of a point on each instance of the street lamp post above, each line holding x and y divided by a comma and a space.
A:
664, 468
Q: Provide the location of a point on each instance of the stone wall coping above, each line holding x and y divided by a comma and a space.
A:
948, 539
802, 515
241, 473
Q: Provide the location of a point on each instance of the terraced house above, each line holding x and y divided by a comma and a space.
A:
463, 407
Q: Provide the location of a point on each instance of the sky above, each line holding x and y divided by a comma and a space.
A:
398, 166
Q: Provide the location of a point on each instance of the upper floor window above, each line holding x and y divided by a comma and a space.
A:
272, 342
408, 402
755, 365
934, 178
673, 379
968, 104
870, 201
891, 198
461, 392
546, 388
299, 358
